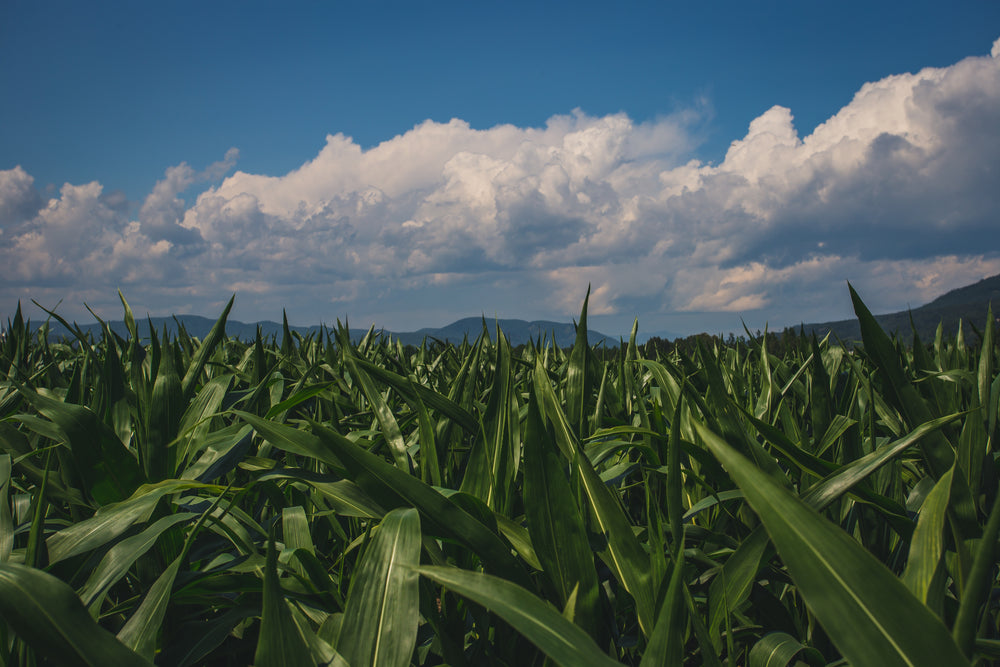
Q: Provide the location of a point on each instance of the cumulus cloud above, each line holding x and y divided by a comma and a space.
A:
18, 198
84, 238
162, 211
896, 192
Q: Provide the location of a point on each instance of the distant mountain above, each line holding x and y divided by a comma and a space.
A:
967, 304
985, 291
518, 332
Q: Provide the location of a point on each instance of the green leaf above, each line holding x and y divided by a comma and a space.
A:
6, 520
555, 524
867, 612
295, 529
666, 645
985, 375
821, 402
297, 398
845, 478
196, 421
197, 363
280, 643
383, 610
322, 652
623, 554
46, 613
428, 396
109, 471
829, 472
142, 628
927, 543
779, 649
549, 404
293, 440
898, 389
221, 451
430, 466
977, 587
838, 426
731, 586
520, 539
119, 558
112, 520
543, 625
391, 488
344, 497
491, 467
377, 404
579, 374
163, 421
36, 554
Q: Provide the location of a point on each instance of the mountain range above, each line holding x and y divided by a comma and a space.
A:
968, 305
518, 332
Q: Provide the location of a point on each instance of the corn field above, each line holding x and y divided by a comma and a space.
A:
310, 500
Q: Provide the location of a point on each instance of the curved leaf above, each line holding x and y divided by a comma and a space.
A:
542, 624
779, 649
281, 643
556, 526
382, 610
120, 557
868, 613
47, 614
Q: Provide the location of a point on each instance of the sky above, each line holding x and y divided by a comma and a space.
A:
408, 164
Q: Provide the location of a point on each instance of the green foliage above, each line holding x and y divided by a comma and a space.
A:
309, 500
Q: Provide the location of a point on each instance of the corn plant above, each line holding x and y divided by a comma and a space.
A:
317, 500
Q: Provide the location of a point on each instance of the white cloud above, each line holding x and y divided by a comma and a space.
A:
18, 197
896, 192
83, 239
163, 210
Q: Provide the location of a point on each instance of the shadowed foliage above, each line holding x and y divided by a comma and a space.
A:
317, 499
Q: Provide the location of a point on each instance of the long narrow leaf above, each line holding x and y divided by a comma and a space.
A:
867, 612
280, 643
382, 611
6, 520
47, 614
141, 630
543, 625
205, 350
927, 543
557, 530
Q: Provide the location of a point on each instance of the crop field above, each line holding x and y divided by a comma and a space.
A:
311, 500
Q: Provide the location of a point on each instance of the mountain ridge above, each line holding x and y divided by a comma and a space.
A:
967, 304
517, 332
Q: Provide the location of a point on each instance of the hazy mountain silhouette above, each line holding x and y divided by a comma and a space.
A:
967, 304
518, 332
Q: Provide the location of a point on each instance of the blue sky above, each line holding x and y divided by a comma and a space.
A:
413, 163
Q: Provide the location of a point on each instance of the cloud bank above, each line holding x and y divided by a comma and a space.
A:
895, 192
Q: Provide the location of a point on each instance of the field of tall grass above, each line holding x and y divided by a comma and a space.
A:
309, 500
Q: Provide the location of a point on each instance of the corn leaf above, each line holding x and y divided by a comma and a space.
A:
565, 643
868, 613
46, 613
280, 643
382, 611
